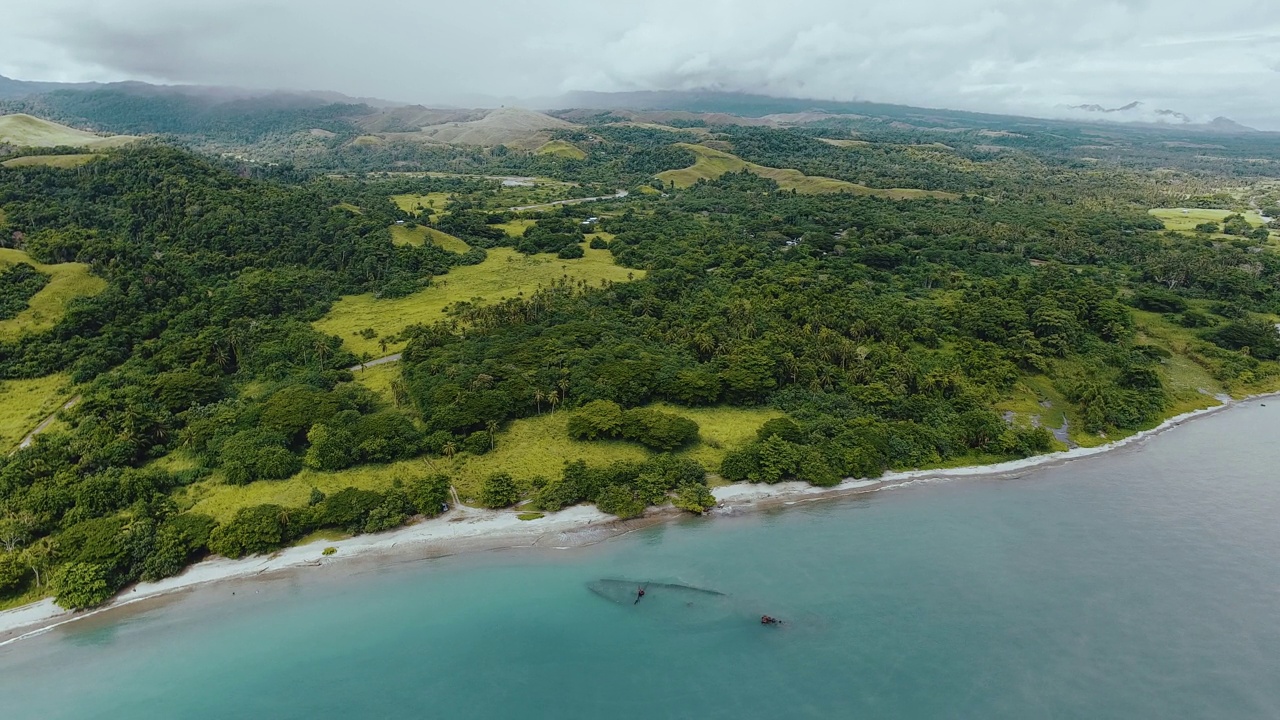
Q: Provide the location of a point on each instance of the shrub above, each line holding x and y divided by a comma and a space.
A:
739, 465
621, 501
179, 540
596, 419
392, 512
695, 498
430, 494
658, 430
252, 455
349, 509
253, 530
1259, 336
784, 428
477, 443
331, 448
78, 586
499, 491
1159, 300
13, 572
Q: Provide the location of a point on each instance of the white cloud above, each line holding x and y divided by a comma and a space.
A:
1001, 55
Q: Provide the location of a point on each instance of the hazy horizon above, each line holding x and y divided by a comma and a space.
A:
999, 56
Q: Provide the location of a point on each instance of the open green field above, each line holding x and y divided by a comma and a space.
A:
213, 497
527, 448
504, 274
353, 209
67, 282
516, 228
56, 161
25, 403
378, 379
1190, 386
542, 446
1186, 219
844, 143
560, 148
417, 236
27, 131
713, 163
433, 204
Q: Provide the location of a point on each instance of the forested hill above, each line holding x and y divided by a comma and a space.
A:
846, 331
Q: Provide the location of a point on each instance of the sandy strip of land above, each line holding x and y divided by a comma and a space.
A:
469, 529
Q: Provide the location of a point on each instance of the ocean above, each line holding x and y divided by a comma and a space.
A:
1144, 583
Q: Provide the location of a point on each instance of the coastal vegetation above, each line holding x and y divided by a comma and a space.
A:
766, 308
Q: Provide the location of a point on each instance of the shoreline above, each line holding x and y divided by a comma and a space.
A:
464, 529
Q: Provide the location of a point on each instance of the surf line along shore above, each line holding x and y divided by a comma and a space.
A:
465, 529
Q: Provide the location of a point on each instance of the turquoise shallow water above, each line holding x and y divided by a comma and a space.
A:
1141, 584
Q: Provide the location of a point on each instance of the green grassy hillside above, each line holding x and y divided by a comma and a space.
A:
68, 281
57, 161
27, 131
713, 163
560, 148
504, 274
25, 403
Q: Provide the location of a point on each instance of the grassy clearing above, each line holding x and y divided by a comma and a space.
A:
517, 228
56, 161
27, 131
25, 403
329, 534
378, 379
447, 241
1189, 385
844, 143
542, 446
417, 236
67, 282
1186, 219
529, 447
504, 274
1035, 400
560, 148
713, 163
212, 497
401, 235
433, 204
353, 209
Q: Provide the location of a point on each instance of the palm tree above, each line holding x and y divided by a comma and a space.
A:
449, 449
399, 392
492, 427
538, 397
554, 400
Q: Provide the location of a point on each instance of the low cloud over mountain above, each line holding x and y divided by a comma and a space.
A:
995, 55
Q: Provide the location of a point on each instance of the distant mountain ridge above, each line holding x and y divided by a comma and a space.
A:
11, 89
1135, 113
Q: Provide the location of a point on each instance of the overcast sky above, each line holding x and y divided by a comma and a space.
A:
1028, 56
